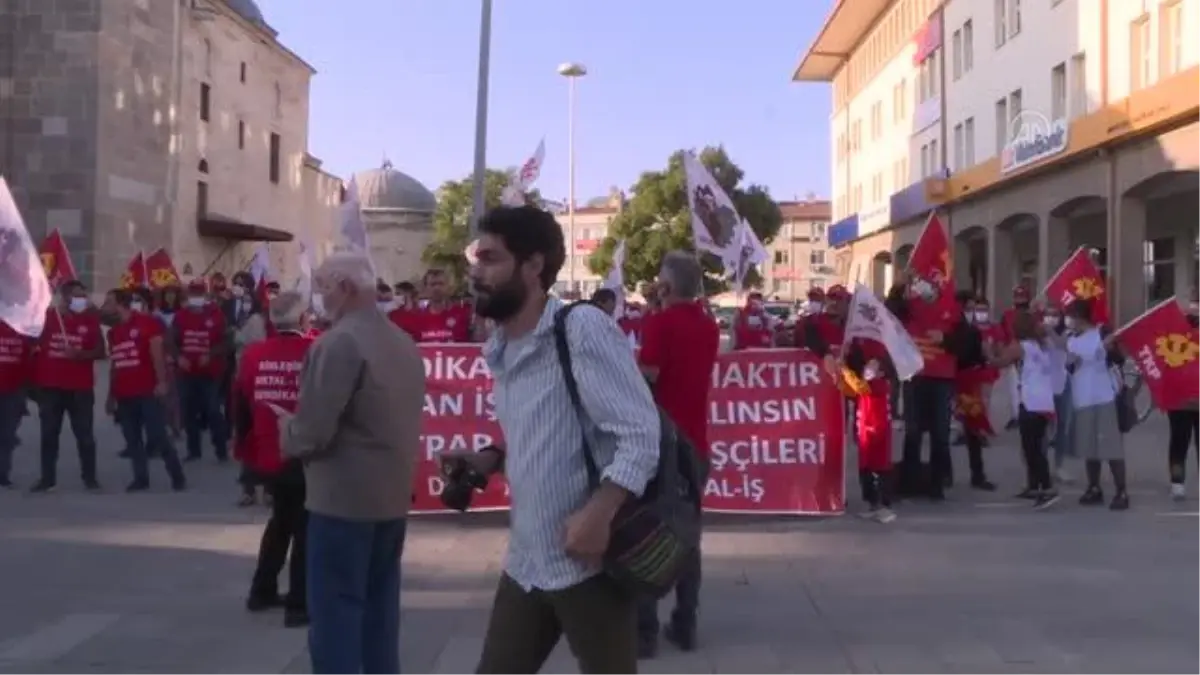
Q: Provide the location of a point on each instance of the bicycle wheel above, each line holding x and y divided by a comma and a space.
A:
1142, 403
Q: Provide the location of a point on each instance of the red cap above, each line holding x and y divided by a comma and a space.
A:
838, 292
816, 294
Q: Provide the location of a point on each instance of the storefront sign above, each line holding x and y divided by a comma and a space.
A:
1034, 137
843, 231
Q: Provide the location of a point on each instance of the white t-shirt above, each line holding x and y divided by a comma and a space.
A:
1037, 378
1091, 384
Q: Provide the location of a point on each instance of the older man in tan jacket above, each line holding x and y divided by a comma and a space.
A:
357, 429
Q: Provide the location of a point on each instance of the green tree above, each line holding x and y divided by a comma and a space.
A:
451, 220
656, 220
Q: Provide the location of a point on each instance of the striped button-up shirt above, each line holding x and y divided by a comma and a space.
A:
545, 465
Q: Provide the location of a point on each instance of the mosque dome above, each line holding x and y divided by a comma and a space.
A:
248, 10
386, 188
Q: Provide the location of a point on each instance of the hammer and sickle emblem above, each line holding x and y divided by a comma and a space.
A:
1176, 350
127, 280
162, 277
48, 262
1087, 288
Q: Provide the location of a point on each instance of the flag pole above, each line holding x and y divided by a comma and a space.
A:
1139, 317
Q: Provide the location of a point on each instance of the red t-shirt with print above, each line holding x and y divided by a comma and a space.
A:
14, 359
133, 373
75, 330
201, 332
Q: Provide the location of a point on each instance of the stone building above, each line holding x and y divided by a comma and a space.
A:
398, 212
136, 124
798, 255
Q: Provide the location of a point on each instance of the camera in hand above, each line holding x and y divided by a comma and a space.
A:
461, 483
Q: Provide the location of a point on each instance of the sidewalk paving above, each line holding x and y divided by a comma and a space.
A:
155, 582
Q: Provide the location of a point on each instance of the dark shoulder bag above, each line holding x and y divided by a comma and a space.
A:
653, 535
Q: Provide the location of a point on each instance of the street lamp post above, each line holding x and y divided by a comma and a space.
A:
571, 71
478, 193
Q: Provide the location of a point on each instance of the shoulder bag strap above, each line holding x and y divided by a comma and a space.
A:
563, 348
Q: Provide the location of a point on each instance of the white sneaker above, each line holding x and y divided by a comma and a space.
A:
885, 516
1178, 491
1063, 476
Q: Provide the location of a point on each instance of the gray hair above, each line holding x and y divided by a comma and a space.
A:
287, 309
354, 268
682, 271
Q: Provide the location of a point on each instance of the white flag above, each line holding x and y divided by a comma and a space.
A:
24, 290
714, 218
868, 318
520, 181
304, 281
260, 264
615, 280
352, 226
750, 251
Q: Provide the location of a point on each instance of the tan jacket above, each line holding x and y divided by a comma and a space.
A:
358, 419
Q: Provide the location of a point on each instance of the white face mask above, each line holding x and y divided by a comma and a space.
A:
78, 304
386, 306
238, 291
196, 302
982, 317
137, 306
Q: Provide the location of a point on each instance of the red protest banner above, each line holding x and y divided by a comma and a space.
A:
1164, 346
775, 431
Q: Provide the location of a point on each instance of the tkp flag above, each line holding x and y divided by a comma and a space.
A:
24, 289
715, 221
56, 260
1079, 279
1163, 345
869, 319
521, 180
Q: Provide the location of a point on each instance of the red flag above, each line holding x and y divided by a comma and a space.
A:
160, 270
1079, 279
972, 387
932, 306
135, 275
56, 260
1163, 345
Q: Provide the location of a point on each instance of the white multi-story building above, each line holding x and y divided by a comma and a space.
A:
1063, 123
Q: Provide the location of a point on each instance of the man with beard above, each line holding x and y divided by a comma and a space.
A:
552, 584
357, 429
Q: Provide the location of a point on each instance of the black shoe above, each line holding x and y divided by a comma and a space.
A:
1120, 501
191, 459
124, 454
137, 486
647, 647
1092, 496
91, 485
263, 603
681, 635
295, 618
179, 485
983, 484
1046, 500
43, 487
1027, 493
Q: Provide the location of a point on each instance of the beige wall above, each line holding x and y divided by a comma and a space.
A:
794, 274
591, 227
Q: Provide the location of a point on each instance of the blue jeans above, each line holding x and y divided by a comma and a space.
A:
143, 421
199, 400
1064, 440
354, 594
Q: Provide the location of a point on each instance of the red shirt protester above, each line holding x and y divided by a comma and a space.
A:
451, 323
133, 371
752, 325
201, 331
14, 359
268, 373
79, 331
1021, 299
681, 342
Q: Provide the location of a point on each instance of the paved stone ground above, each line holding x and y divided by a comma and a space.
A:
155, 582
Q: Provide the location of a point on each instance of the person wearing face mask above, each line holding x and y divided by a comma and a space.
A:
440, 320
385, 297
1060, 439
200, 344
137, 385
1095, 427
64, 373
1184, 424
973, 376
752, 326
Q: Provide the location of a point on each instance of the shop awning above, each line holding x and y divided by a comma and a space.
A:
223, 227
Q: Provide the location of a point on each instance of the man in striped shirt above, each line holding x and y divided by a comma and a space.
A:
552, 583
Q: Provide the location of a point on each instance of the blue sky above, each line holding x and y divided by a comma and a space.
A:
399, 76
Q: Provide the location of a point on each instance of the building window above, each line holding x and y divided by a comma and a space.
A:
241, 135
1139, 52
1077, 81
242, 73
816, 257
959, 149
208, 57
1014, 18
205, 101
935, 158
1001, 22
956, 52
1014, 106
203, 167
818, 230
1159, 260
968, 41
924, 161
969, 141
1001, 125
1170, 38
781, 257
201, 200
274, 158
903, 98
1058, 92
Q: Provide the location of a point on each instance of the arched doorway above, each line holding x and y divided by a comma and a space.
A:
881, 273
970, 260
1016, 256
1079, 221
1169, 252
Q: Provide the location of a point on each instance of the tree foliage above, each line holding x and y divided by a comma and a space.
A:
451, 220
656, 220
